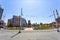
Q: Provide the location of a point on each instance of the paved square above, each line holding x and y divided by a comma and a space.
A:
30, 35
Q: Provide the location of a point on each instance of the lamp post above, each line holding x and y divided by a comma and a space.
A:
20, 20
19, 24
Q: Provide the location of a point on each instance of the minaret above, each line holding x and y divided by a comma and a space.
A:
1, 12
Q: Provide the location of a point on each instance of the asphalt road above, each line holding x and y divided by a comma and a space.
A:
30, 35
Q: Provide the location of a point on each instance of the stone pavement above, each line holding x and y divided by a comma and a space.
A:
30, 35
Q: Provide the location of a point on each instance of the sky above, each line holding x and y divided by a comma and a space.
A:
38, 11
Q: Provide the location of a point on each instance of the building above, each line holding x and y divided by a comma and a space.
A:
17, 21
2, 23
1, 11
58, 22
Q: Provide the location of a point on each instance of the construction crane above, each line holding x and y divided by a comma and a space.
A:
1, 15
57, 20
57, 13
56, 23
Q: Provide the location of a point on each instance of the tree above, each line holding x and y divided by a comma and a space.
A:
41, 23
10, 25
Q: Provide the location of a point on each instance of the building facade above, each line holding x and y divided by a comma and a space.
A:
57, 21
17, 21
1, 12
2, 23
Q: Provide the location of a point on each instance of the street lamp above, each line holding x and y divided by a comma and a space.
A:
20, 18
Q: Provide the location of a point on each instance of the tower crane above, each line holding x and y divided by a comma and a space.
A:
56, 24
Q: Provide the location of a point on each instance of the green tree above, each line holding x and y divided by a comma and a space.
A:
10, 25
